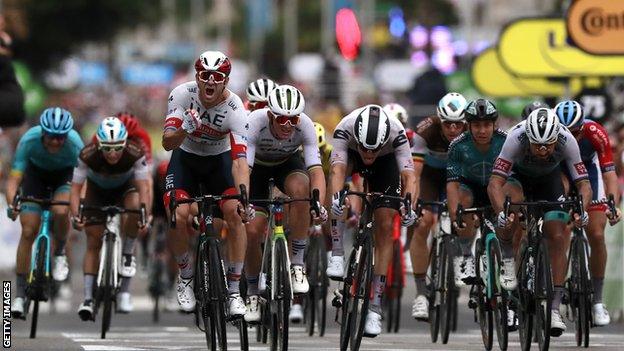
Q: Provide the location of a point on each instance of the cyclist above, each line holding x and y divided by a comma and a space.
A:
533, 150
275, 135
532, 106
115, 172
429, 149
369, 142
399, 112
471, 156
258, 93
206, 129
597, 156
44, 159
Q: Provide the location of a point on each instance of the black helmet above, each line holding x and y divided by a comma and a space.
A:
481, 110
532, 106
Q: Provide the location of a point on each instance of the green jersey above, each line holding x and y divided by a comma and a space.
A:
467, 164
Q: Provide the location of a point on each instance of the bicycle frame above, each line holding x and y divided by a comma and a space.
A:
112, 227
44, 234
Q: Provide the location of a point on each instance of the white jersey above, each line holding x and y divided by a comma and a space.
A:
265, 149
397, 142
222, 127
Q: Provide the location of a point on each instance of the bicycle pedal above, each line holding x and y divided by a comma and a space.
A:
556, 332
337, 279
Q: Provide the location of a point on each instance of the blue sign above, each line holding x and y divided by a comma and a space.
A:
148, 74
93, 73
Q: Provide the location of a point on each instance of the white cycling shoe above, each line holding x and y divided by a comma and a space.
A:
124, 302
335, 267
601, 315
296, 313
299, 280
186, 296
557, 326
508, 274
60, 271
236, 305
372, 326
420, 308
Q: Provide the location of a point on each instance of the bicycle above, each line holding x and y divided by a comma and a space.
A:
395, 280
107, 280
535, 287
579, 286
210, 279
159, 280
274, 277
488, 299
354, 298
443, 293
316, 300
40, 286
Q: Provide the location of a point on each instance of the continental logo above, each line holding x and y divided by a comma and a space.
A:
597, 26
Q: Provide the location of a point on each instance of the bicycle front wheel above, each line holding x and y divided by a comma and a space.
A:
281, 305
39, 284
543, 296
499, 296
434, 290
217, 292
581, 295
447, 291
484, 310
107, 288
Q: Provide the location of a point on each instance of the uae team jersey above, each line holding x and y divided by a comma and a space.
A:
265, 149
222, 129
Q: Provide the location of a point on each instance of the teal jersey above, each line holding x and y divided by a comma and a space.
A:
31, 150
467, 163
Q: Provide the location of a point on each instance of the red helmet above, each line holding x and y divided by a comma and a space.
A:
213, 61
129, 120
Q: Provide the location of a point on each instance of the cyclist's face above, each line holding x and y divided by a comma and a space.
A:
543, 151
285, 130
53, 143
211, 87
368, 156
452, 130
482, 131
112, 156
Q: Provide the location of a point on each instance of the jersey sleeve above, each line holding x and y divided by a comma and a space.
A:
454, 165
311, 152
341, 137
175, 108
20, 161
239, 126
505, 160
80, 172
599, 139
572, 156
401, 147
252, 133
140, 169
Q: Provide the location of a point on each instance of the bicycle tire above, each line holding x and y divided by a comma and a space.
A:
281, 306
156, 291
243, 334
39, 284
484, 312
543, 301
361, 298
396, 288
525, 315
312, 267
217, 293
107, 289
501, 303
583, 319
447, 290
322, 295
434, 308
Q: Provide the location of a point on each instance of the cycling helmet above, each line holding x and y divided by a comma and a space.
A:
451, 107
286, 100
372, 127
320, 134
481, 110
542, 126
56, 120
532, 106
111, 132
213, 61
570, 113
259, 90
397, 111
130, 121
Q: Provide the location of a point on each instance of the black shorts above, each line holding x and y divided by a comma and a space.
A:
382, 176
479, 193
548, 187
98, 196
40, 183
432, 184
260, 176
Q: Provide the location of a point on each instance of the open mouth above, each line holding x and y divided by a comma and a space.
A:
209, 91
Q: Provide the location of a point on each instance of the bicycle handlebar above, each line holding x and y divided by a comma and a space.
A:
609, 201
407, 200
461, 211
422, 203
17, 200
575, 202
174, 203
111, 210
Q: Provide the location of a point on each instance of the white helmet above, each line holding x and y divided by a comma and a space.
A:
372, 127
111, 132
397, 111
213, 61
259, 90
286, 100
451, 107
542, 126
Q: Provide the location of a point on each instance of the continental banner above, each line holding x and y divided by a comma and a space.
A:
597, 26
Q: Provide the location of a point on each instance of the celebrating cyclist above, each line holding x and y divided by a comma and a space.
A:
276, 134
597, 157
534, 150
115, 172
206, 129
369, 142
430, 149
44, 162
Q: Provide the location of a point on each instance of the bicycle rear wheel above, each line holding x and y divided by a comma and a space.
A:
447, 290
484, 310
525, 308
543, 296
395, 291
312, 268
434, 307
581, 293
281, 305
345, 320
38, 285
218, 293
107, 288
360, 293
499, 296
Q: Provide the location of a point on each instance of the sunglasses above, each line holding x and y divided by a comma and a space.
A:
256, 105
53, 136
215, 76
283, 120
365, 150
111, 148
543, 147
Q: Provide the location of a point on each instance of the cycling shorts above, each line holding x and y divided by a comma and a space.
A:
98, 196
382, 176
260, 176
41, 183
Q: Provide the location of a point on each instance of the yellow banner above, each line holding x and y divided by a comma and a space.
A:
597, 26
537, 47
491, 79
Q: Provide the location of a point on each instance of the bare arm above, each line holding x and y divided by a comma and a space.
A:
452, 197
496, 193
172, 139
584, 189
337, 174
317, 181
15, 178
74, 198
611, 185
408, 181
240, 173
418, 167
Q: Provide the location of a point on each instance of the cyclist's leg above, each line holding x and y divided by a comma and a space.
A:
509, 239
464, 264
129, 230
